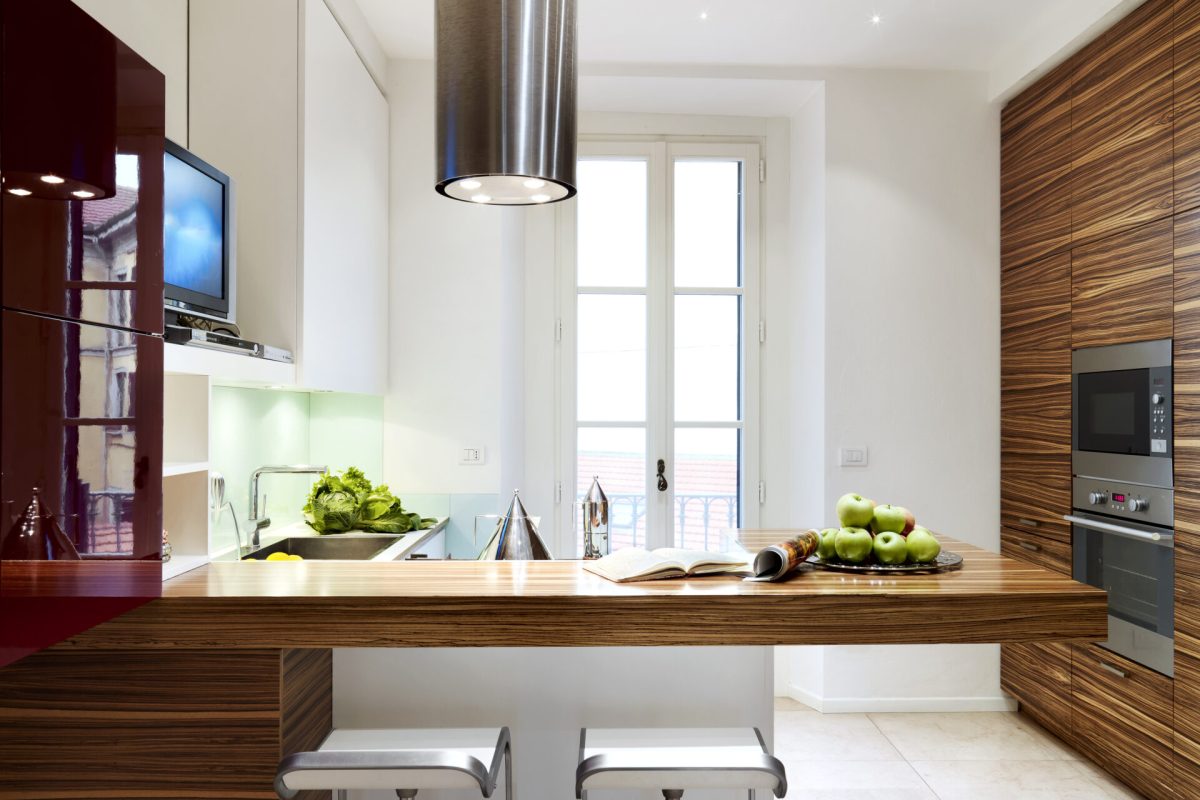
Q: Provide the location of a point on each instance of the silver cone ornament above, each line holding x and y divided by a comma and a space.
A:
596, 543
516, 537
37, 536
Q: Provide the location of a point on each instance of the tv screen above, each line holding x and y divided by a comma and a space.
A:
196, 247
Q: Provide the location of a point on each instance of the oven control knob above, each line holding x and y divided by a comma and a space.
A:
1138, 505
1098, 498
1157, 399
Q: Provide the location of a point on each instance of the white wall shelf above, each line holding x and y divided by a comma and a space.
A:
173, 468
226, 369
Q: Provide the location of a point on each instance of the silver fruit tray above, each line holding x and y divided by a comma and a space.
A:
945, 561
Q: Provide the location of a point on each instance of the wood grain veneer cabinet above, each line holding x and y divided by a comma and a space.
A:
1187, 105
1121, 715
1035, 170
1187, 640
1121, 132
1121, 287
159, 723
1187, 495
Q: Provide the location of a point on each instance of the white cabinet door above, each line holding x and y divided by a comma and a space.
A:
343, 329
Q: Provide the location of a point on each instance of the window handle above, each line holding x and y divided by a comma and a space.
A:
662, 479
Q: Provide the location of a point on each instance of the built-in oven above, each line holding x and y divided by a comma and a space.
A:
1121, 413
1123, 541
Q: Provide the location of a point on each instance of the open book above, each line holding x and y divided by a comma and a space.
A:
636, 564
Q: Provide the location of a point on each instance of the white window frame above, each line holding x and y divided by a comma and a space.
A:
660, 291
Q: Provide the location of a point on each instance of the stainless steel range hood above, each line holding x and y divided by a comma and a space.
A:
506, 87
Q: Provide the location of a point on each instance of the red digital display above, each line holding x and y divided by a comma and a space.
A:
1118, 498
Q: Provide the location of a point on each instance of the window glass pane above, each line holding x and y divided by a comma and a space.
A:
707, 223
611, 383
706, 358
706, 485
617, 456
611, 226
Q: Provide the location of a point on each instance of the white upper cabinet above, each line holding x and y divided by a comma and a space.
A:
343, 337
281, 101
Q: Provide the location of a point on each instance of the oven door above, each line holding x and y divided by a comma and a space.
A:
1135, 564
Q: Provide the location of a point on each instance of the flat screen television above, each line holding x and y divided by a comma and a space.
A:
198, 246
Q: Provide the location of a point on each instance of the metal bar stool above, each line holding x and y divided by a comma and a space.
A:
401, 759
673, 760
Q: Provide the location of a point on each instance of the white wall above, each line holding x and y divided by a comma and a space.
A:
446, 291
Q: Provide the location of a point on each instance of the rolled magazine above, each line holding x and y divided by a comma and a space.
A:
776, 562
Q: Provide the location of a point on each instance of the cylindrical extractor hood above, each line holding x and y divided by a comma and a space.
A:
506, 100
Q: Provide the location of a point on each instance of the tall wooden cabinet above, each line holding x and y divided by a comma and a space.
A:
1100, 244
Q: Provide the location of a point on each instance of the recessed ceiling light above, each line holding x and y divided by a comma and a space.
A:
534, 183
20, 192
83, 194
876, 19
540, 198
703, 16
472, 184
481, 198
51, 179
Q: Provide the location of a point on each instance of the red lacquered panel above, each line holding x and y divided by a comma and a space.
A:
97, 260
82, 423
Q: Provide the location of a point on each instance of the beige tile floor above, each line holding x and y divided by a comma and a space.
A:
968, 756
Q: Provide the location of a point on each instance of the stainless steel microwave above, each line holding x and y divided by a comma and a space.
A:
1121, 413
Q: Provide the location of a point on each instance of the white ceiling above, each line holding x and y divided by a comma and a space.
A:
932, 34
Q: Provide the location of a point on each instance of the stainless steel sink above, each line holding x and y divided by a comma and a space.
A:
343, 547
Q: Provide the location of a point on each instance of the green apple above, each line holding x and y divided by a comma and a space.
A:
889, 548
888, 518
826, 548
855, 511
853, 544
923, 546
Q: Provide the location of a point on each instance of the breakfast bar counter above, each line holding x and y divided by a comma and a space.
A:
200, 692
314, 604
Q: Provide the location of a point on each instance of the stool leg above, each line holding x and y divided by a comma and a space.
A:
342, 794
672, 794
508, 782
406, 794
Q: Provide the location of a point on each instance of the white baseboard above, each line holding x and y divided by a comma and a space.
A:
862, 705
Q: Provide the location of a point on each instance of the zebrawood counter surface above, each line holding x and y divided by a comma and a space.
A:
315, 604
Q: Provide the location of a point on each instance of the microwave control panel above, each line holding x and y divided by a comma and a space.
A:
1160, 410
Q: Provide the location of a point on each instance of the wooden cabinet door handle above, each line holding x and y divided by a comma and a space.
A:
1033, 523
1029, 546
1120, 673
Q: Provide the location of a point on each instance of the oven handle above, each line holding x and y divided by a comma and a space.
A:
1161, 539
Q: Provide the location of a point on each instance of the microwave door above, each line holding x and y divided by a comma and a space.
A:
1112, 412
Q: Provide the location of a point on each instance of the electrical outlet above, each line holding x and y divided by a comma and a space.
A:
472, 456
852, 457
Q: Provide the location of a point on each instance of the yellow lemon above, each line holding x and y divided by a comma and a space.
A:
294, 557
278, 557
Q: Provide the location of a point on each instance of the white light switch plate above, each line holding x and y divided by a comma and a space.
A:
852, 457
472, 456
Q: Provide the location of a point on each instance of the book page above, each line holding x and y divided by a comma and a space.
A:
700, 562
632, 563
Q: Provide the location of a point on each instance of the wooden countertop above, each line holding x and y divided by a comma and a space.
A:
556, 603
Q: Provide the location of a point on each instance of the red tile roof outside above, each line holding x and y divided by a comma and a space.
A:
97, 213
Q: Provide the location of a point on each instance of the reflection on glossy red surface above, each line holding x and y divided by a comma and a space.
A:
93, 260
81, 402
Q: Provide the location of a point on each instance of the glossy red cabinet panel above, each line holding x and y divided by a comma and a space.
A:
92, 260
81, 375
82, 408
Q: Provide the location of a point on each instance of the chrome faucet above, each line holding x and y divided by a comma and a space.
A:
257, 523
